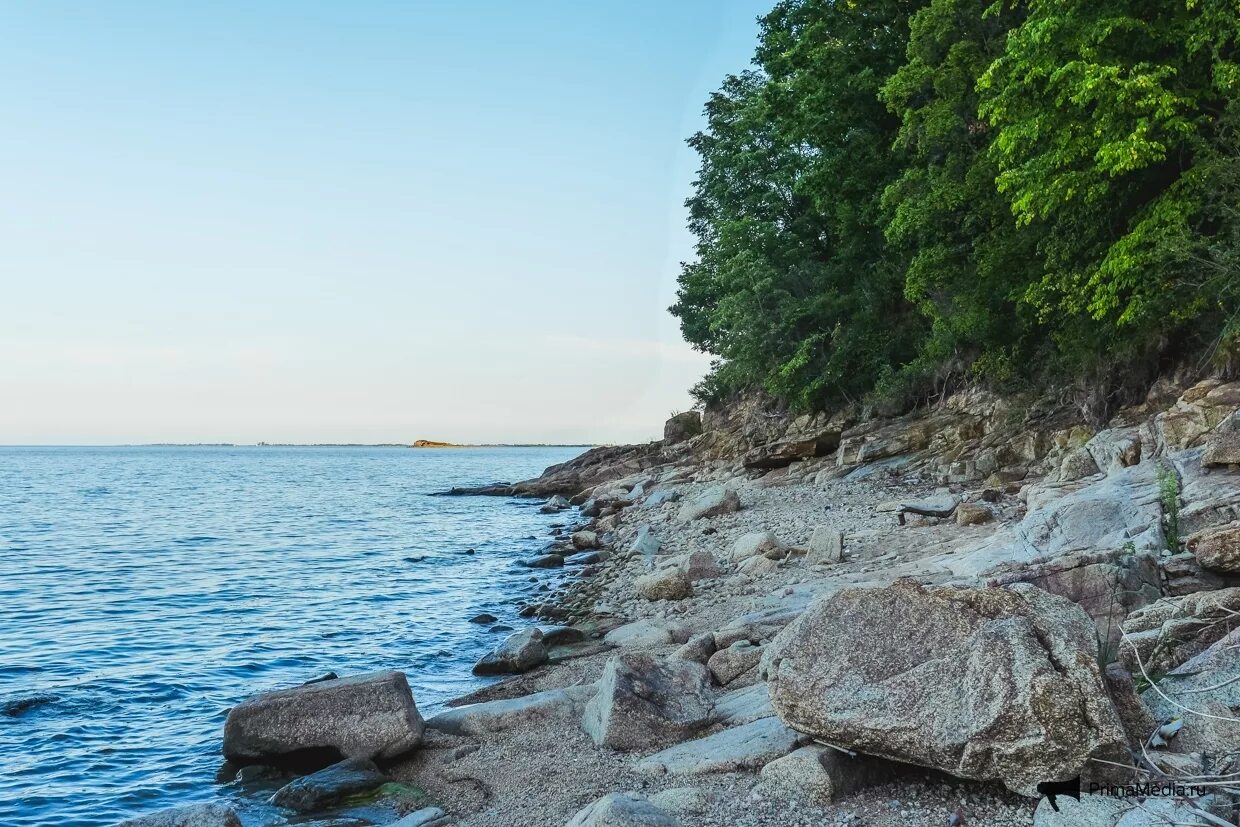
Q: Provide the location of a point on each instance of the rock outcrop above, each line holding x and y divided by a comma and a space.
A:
989, 684
367, 716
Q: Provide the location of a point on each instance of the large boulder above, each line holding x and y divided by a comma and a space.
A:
681, 427
622, 810
211, 814
519, 652
642, 701
1218, 549
365, 716
984, 683
716, 500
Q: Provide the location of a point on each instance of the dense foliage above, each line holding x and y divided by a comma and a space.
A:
905, 193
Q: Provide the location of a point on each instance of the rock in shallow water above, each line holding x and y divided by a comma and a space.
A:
193, 815
989, 684
328, 786
365, 716
518, 653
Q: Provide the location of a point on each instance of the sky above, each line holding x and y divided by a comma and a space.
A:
350, 221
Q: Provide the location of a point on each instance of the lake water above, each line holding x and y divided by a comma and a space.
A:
143, 591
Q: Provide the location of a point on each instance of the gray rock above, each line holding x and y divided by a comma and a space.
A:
365, 716
1165, 634
698, 648
585, 540
1223, 446
670, 583
726, 665
1077, 464
642, 701
821, 774
712, 502
328, 786
645, 543
753, 544
742, 706
662, 495
746, 747
1103, 811
647, 633
1115, 449
484, 617
1207, 683
989, 684
420, 818
1218, 549
826, 545
518, 653
973, 514
211, 814
529, 710
554, 505
622, 810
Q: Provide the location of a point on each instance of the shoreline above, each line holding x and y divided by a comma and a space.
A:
685, 559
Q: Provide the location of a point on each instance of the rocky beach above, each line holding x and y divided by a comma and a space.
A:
769, 619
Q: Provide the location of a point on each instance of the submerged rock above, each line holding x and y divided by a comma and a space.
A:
211, 814
365, 716
328, 786
989, 684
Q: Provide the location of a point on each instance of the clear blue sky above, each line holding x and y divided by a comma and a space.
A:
350, 221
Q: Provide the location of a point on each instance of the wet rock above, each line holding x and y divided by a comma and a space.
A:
746, 747
670, 583
710, 503
586, 558
545, 561
726, 665
642, 701
483, 618
622, 810
193, 815
564, 705
554, 505
365, 716
519, 653
1218, 549
329, 786
989, 684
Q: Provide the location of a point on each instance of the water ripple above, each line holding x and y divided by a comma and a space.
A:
144, 591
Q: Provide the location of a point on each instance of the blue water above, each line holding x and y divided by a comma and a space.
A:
143, 591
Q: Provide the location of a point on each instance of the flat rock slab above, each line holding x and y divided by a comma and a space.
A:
622, 810
746, 747
192, 815
743, 706
497, 716
365, 716
941, 506
328, 786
